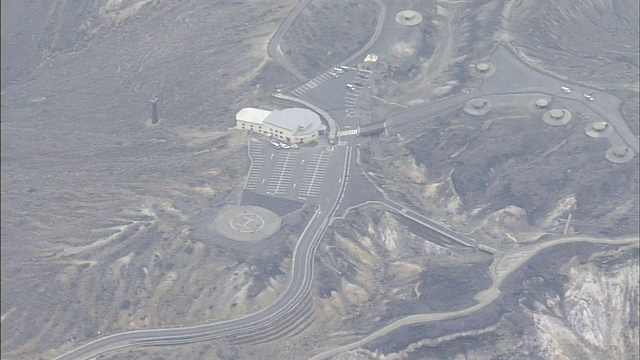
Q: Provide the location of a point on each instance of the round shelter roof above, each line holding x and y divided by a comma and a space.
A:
408, 18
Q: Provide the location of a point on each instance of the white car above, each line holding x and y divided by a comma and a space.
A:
333, 74
285, 146
565, 89
338, 70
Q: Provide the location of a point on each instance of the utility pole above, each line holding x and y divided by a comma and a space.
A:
154, 109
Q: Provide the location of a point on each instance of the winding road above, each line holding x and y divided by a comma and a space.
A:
275, 49
484, 297
271, 320
291, 309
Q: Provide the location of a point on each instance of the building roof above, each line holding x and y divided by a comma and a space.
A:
252, 115
297, 120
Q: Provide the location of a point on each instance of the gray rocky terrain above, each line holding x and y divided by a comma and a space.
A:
102, 212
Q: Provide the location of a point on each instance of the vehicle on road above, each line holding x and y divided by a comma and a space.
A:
565, 89
338, 70
588, 96
346, 68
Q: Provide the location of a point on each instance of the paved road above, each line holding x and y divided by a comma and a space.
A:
281, 315
484, 298
264, 321
274, 48
376, 34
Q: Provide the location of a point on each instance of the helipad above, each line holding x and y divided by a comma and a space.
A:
247, 223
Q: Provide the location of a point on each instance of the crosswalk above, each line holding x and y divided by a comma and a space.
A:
348, 132
311, 84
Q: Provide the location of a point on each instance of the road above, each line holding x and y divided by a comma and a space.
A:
376, 34
282, 315
274, 48
484, 298
264, 321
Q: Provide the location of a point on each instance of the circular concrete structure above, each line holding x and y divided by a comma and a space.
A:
557, 117
247, 223
542, 103
408, 18
598, 129
482, 69
477, 107
619, 154
539, 104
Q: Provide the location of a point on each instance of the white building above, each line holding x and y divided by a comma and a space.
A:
293, 125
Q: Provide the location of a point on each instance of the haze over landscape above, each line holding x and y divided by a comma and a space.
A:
472, 192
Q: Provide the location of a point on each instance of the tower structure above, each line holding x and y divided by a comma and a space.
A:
154, 109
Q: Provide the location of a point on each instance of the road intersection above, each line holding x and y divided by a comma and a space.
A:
321, 176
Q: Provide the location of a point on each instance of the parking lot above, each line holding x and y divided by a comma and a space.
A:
314, 174
298, 174
331, 89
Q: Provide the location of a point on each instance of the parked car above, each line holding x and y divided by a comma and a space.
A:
285, 146
276, 144
565, 89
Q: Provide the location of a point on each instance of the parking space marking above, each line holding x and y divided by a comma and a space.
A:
324, 76
282, 172
311, 184
257, 160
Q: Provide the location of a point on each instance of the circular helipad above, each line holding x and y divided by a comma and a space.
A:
482, 69
557, 117
477, 107
619, 154
598, 129
247, 223
408, 18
